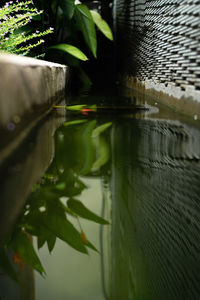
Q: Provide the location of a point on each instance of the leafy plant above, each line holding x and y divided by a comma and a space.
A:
75, 36
74, 39
13, 18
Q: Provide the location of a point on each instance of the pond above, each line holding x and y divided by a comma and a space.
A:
102, 201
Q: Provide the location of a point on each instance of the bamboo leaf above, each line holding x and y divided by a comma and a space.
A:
77, 207
74, 51
102, 24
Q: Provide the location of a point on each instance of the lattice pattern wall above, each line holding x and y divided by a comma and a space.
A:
160, 40
155, 211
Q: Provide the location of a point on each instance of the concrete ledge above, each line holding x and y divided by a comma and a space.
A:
27, 165
28, 89
185, 102
26, 82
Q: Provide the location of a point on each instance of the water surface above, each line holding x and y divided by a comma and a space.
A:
137, 169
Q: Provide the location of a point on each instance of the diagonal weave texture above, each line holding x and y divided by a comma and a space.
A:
160, 40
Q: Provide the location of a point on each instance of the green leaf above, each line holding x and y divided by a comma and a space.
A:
87, 147
68, 7
24, 247
86, 25
60, 186
76, 107
51, 241
87, 243
97, 131
6, 266
75, 122
64, 230
102, 151
46, 235
102, 24
82, 211
91, 246
74, 51
41, 241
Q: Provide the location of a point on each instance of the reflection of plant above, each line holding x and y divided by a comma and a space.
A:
45, 215
13, 17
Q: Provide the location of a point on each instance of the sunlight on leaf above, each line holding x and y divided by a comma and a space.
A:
74, 51
102, 24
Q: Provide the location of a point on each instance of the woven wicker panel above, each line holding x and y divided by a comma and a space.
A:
160, 40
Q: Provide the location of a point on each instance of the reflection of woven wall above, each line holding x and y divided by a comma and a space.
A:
155, 211
160, 40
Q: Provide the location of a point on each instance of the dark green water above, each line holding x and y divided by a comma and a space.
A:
138, 169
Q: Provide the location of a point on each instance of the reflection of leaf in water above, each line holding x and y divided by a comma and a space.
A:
17, 259
87, 149
76, 107
75, 122
86, 242
97, 131
63, 229
60, 186
45, 235
44, 215
82, 211
51, 240
41, 241
22, 245
6, 265
102, 151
